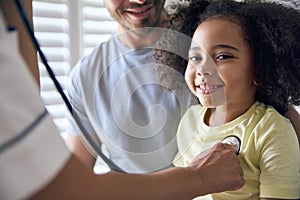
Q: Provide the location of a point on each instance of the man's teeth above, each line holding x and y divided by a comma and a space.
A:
141, 11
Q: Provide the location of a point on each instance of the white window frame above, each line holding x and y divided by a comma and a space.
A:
73, 19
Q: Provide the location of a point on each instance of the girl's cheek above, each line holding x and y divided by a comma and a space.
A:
188, 76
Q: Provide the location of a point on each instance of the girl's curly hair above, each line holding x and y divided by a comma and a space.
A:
272, 31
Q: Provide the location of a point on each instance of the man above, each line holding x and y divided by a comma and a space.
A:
35, 163
117, 96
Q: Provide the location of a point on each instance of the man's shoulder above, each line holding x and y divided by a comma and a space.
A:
100, 50
97, 58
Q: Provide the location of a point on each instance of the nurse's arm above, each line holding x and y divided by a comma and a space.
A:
219, 170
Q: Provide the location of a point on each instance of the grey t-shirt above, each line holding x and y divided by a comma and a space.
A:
116, 94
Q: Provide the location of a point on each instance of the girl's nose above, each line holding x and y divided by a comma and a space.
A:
204, 70
202, 73
207, 67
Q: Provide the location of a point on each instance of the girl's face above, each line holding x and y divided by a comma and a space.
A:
220, 69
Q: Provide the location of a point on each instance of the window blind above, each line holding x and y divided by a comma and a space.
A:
66, 31
97, 24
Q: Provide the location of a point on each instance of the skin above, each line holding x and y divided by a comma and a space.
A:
294, 117
229, 66
133, 16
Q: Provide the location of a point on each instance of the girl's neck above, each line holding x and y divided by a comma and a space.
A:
224, 114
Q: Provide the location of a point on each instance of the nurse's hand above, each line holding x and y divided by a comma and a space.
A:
218, 169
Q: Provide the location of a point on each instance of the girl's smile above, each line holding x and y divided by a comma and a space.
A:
206, 88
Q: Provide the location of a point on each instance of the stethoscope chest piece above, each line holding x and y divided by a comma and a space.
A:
234, 141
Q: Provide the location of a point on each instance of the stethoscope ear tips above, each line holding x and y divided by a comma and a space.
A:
234, 141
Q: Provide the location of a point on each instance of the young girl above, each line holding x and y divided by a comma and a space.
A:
244, 67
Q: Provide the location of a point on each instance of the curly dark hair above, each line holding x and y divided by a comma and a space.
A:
272, 31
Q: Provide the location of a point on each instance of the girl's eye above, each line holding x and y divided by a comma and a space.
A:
195, 58
224, 56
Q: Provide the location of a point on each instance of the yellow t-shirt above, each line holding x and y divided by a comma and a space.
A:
269, 153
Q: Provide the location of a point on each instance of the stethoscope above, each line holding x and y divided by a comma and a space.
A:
232, 140
27, 25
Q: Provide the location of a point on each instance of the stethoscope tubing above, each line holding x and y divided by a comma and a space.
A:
30, 32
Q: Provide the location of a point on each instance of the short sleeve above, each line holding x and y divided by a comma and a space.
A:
76, 99
32, 151
280, 159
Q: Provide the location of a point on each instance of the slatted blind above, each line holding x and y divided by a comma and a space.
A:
66, 31
97, 24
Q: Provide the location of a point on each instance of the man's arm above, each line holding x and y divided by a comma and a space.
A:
294, 117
